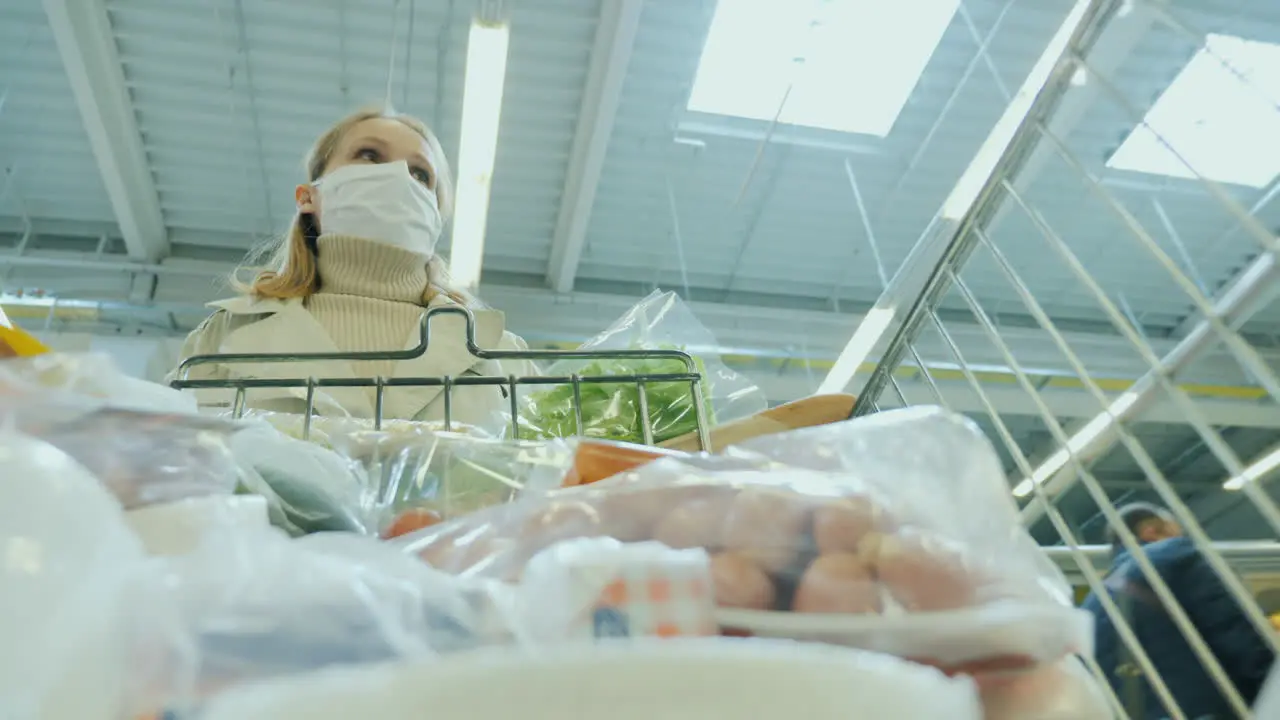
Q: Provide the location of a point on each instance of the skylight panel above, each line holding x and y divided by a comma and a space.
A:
851, 64
1222, 126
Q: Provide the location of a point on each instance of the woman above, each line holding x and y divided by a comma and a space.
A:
356, 272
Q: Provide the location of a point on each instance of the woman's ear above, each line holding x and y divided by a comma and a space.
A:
306, 198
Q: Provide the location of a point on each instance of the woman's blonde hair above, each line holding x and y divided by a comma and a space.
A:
291, 271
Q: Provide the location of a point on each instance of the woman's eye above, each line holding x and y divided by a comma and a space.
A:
421, 176
369, 154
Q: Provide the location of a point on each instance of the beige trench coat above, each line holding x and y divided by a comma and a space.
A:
247, 325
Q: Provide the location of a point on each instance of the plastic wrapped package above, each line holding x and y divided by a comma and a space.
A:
91, 375
1060, 691
143, 458
685, 679
415, 478
859, 555
612, 411
14, 342
596, 460
177, 528
938, 470
69, 561
247, 607
308, 488
599, 588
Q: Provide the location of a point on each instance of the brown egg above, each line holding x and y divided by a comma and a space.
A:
767, 525
698, 522
840, 525
740, 583
632, 514
837, 583
925, 574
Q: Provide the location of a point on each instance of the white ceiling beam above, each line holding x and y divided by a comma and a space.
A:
610, 57
87, 45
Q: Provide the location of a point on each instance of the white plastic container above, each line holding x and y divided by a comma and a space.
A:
176, 528
681, 679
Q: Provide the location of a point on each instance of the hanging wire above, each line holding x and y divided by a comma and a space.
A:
239, 48
344, 82
797, 67
926, 143
408, 57
391, 54
866, 224
1176, 238
679, 239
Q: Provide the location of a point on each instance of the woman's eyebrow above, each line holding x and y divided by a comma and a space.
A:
424, 160
370, 139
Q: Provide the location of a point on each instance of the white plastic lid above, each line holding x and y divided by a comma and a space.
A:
680, 679
176, 528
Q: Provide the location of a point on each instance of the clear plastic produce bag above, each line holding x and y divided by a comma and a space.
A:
69, 560
90, 375
613, 411
308, 488
414, 477
248, 607
898, 545
143, 458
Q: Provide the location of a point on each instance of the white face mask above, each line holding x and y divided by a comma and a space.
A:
380, 202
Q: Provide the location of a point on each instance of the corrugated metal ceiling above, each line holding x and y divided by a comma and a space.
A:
229, 94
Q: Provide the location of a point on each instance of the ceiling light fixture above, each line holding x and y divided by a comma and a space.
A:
481, 110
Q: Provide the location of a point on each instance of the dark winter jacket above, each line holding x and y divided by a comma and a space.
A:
1241, 651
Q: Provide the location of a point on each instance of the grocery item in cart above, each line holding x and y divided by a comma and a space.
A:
685, 679
413, 476
177, 528
596, 460
896, 548
251, 606
614, 411
143, 458
307, 488
599, 588
1059, 691
69, 561
14, 342
90, 376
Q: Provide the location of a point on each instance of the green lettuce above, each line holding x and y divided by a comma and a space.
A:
612, 411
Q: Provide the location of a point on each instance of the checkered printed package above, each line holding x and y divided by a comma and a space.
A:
601, 588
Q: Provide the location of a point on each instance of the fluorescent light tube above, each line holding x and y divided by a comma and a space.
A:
481, 109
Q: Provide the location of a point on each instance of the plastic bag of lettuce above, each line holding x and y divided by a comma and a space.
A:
613, 411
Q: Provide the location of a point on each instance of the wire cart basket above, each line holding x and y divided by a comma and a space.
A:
510, 383
1062, 412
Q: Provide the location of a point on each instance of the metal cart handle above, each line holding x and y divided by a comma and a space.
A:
241, 385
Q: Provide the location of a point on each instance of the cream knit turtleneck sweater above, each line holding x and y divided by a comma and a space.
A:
370, 297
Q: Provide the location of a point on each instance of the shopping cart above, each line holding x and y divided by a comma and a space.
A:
312, 385
945, 337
